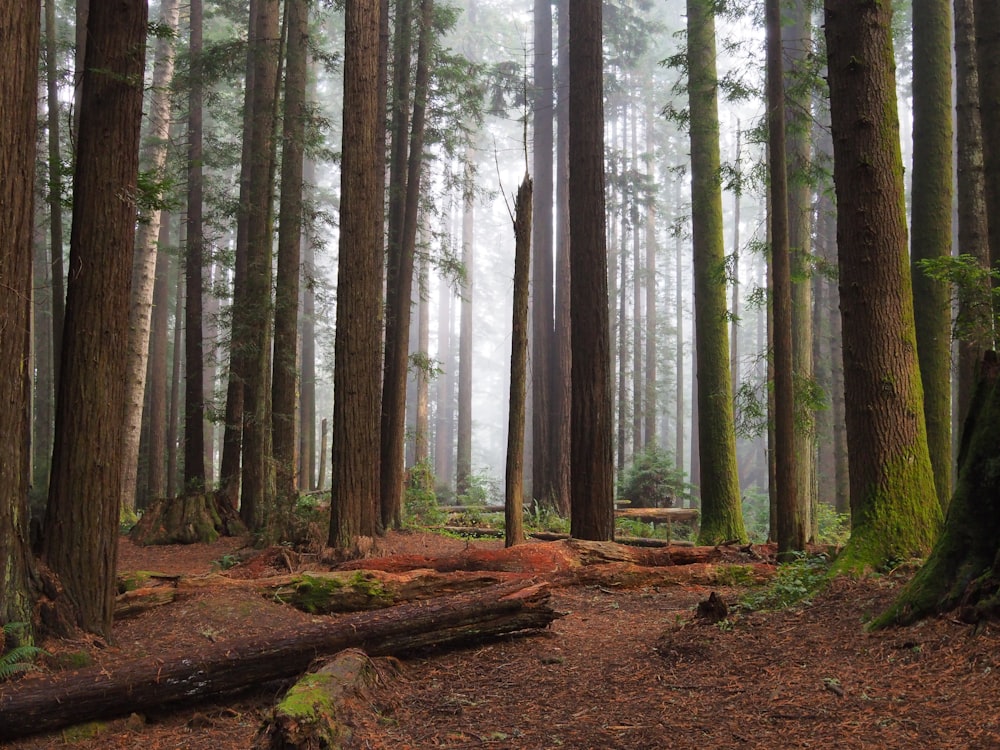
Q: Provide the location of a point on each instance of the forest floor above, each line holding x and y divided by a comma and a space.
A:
624, 668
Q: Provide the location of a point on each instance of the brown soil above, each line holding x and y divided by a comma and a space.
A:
625, 668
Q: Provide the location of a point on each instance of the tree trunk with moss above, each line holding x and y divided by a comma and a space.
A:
894, 509
188, 519
931, 230
722, 517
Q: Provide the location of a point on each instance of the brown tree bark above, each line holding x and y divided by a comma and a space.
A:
20, 30
592, 468
357, 358
514, 498
285, 375
399, 293
463, 460
81, 523
307, 337
156, 476
444, 394
55, 184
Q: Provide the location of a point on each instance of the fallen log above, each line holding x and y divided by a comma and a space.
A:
659, 514
36, 705
551, 557
311, 714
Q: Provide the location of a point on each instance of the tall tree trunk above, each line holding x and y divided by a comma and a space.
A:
81, 523
357, 357
734, 338
421, 428
20, 29
514, 485
285, 377
444, 396
931, 231
987, 19
650, 397
592, 467
543, 382
253, 314
972, 223
722, 517
153, 159
176, 373
55, 180
791, 521
463, 469
561, 388
156, 445
637, 283
679, 359
894, 509
307, 322
194, 390
797, 49
399, 294
622, 326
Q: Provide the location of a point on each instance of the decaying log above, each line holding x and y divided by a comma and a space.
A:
40, 704
658, 514
545, 558
311, 714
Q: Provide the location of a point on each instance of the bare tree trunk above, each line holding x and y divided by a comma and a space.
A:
153, 159
421, 429
444, 400
307, 323
637, 284
464, 458
55, 180
176, 373
514, 500
156, 477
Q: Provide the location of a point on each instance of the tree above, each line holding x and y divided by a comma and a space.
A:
790, 517
514, 498
194, 259
894, 509
153, 159
930, 235
20, 28
543, 383
592, 468
284, 383
81, 522
463, 459
357, 356
721, 517
399, 292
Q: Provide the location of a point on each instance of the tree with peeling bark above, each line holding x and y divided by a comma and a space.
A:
592, 467
19, 27
81, 521
357, 354
895, 513
722, 517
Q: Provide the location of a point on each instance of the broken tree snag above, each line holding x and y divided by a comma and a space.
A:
963, 570
311, 714
187, 519
37, 705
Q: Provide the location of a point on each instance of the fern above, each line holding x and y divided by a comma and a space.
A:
20, 658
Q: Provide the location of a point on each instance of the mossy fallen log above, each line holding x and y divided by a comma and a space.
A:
311, 715
40, 704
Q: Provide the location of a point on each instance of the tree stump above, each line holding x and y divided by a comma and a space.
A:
187, 519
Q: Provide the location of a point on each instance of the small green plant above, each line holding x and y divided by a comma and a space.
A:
834, 527
735, 575
481, 489
541, 517
420, 505
635, 527
20, 657
653, 481
757, 514
795, 582
226, 562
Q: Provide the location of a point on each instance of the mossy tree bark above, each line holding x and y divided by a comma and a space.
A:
722, 517
931, 230
964, 568
592, 470
19, 27
894, 508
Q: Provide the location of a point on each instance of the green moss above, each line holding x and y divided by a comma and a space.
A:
87, 731
309, 698
72, 660
735, 575
336, 593
136, 580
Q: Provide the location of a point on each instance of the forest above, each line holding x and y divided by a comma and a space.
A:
436, 321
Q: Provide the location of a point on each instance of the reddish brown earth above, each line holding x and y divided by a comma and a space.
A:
624, 668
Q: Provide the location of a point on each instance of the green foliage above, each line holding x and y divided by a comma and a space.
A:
795, 582
482, 489
653, 481
735, 575
834, 527
976, 291
544, 518
20, 657
757, 514
226, 562
420, 505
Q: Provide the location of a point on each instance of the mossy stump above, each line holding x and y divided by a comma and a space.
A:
187, 519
